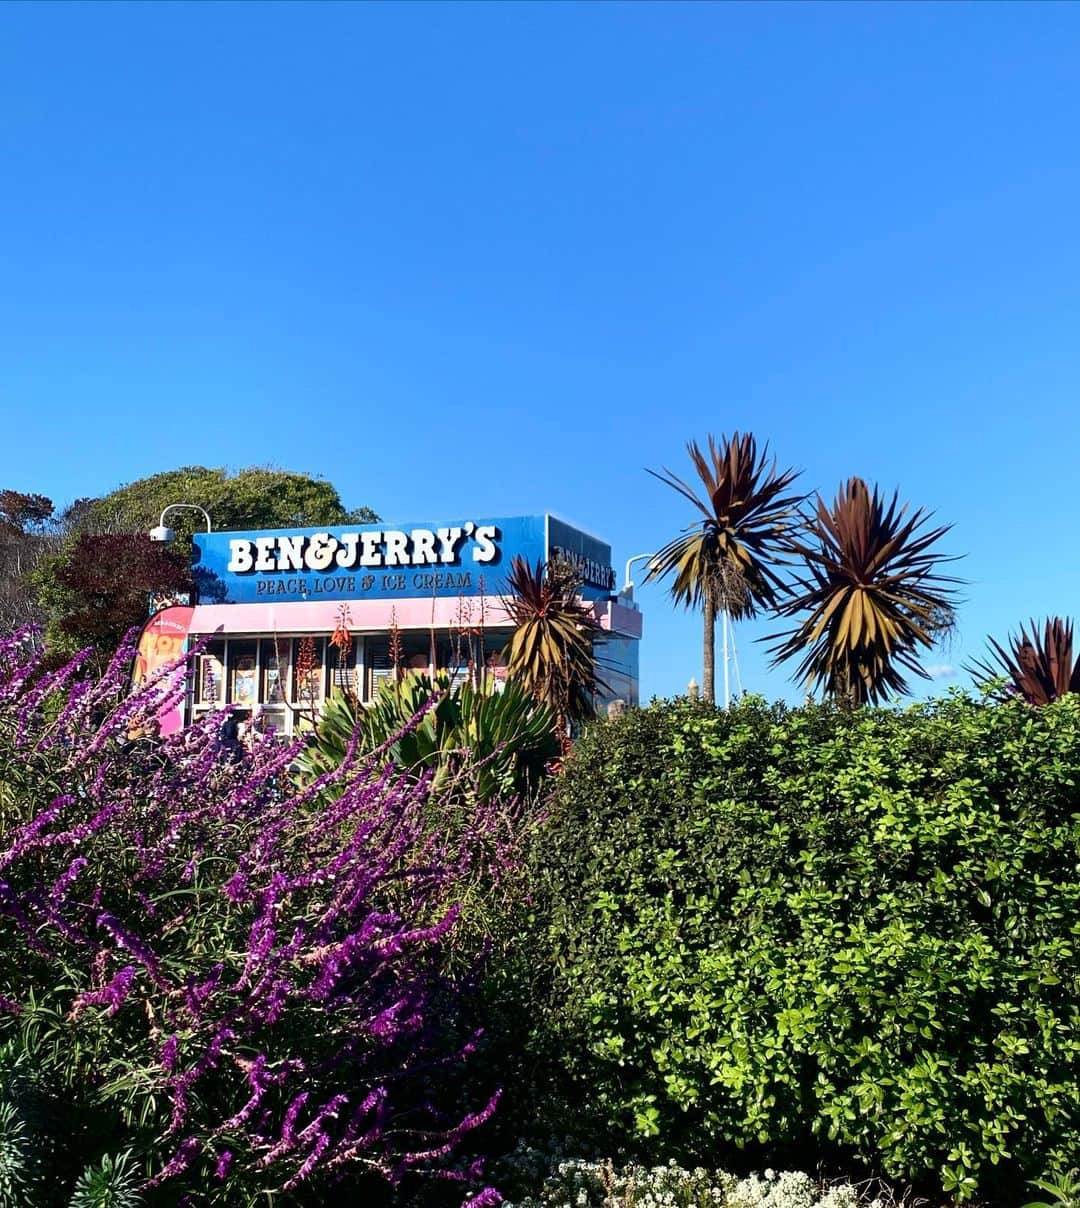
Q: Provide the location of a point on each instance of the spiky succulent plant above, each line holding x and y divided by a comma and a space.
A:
871, 596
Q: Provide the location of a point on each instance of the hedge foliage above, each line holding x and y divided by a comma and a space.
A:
845, 934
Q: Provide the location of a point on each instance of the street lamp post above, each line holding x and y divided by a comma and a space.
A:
628, 586
163, 533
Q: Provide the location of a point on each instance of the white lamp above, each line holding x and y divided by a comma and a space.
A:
627, 591
162, 532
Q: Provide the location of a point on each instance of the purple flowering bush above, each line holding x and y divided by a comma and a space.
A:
250, 978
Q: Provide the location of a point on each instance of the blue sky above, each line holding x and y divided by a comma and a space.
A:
500, 258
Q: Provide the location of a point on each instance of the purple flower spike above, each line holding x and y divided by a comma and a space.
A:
111, 996
263, 960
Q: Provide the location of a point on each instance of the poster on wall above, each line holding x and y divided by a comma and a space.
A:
244, 681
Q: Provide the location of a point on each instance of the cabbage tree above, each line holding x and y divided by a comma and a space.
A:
871, 596
1038, 667
724, 561
552, 649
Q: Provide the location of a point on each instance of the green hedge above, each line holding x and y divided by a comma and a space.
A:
849, 933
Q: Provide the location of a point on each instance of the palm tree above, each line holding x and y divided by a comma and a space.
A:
551, 651
1040, 669
722, 562
871, 594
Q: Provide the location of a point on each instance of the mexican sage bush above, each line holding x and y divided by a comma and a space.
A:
826, 935
237, 981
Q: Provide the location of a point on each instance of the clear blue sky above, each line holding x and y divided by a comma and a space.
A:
499, 258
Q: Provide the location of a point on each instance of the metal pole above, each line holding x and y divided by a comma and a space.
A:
725, 629
194, 507
628, 586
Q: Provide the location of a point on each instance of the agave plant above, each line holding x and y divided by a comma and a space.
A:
723, 562
1038, 668
870, 598
501, 741
551, 651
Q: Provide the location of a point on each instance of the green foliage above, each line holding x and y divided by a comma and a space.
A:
1065, 1190
111, 1183
47, 1132
15, 1158
26, 522
496, 742
816, 932
252, 498
21, 1125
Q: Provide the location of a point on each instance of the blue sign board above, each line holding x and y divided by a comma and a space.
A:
389, 561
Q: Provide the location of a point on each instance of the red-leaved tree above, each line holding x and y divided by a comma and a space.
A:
103, 587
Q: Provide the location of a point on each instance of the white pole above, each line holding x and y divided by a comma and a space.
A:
194, 507
725, 628
735, 660
628, 586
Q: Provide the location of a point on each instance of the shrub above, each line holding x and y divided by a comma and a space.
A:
241, 981
496, 743
807, 932
535, 1180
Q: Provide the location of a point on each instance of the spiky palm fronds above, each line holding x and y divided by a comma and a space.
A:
729, 552
1040, 668
872, 595
551, 651
723, 562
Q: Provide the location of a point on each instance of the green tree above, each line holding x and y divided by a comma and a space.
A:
258, 497
870, 597
722, 562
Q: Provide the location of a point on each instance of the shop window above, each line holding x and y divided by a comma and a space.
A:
274, 659
494, 661
309, 671
210, 676
343, 664
414, 655
244, 672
